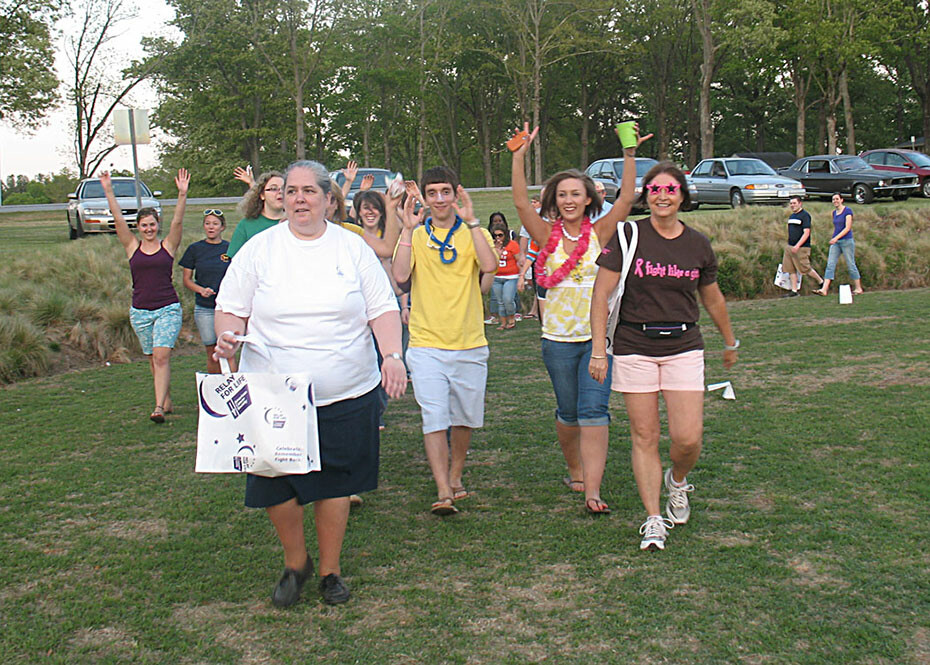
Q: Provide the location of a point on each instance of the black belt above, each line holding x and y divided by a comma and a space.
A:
660, 328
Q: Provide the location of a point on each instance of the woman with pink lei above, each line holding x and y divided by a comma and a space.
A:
657, 346
566, 267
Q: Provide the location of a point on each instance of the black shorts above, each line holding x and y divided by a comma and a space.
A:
349, 450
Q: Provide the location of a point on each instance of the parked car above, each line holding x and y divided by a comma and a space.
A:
824, 175
610, 171
382, 178
739, 180
902, 161
88, 211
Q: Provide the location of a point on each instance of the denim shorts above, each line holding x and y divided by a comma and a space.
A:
156, 327
581, 401
203, 319
449, 386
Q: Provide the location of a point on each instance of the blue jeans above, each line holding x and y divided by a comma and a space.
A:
503, 293
846, 246
581, 401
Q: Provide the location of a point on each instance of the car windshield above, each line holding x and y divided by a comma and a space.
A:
919, 159
642, 167
122, 188
851, 164
749, 167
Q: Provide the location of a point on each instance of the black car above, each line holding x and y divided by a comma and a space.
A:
825, 175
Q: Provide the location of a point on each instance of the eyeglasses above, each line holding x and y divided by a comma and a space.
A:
498, 235
213, 211
670, 188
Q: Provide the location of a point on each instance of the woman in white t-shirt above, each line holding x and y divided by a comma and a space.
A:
313, 293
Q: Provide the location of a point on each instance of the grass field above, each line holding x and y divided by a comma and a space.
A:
807, 542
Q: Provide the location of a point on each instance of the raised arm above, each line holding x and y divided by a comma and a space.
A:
173, 239
349, 173
606, 226
401, 267
126, 237
532, 222
487, 257
244, 175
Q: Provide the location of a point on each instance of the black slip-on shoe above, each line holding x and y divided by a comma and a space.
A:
333, 589
287, 590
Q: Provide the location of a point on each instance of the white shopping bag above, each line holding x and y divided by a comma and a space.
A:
259, 423
783, 279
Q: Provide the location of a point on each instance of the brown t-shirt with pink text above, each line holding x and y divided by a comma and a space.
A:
661, 287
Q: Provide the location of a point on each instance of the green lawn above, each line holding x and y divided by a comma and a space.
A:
807, 542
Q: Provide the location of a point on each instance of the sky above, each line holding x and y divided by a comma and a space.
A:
50, 148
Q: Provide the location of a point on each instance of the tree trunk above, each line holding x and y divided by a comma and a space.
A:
821, 141
847, 108
702, 13
301, 143
585, 124
920, 78
800, 130
537, 85
366, 137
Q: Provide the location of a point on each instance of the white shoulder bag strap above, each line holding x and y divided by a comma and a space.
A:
628, 250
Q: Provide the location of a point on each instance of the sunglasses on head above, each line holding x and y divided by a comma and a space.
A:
213, 211
670, 188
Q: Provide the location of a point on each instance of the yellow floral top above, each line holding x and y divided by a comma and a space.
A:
567, 313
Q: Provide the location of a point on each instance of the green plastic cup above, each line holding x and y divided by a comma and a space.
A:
627, 133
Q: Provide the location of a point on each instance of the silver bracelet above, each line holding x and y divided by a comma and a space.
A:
474, 224
727, 347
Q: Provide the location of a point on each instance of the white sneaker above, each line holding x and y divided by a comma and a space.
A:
654, 531
677, 508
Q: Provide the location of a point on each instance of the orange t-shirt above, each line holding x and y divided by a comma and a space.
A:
507, 265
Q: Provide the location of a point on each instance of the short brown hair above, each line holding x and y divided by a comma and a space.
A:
675, 172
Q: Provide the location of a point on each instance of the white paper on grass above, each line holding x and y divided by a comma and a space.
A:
845, 294
726, 386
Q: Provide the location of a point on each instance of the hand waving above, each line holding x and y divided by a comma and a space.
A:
182, 180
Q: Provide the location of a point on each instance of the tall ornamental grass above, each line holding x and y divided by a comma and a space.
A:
66, 304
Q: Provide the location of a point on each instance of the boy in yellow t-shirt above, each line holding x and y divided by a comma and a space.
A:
448, 353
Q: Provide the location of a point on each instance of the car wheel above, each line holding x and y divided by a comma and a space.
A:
925, 189
862, 194
901, 196
736, 199
694, 205
72, 234
78, 227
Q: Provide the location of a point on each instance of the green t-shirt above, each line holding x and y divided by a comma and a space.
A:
247, 228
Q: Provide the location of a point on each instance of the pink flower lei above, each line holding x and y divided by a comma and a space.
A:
549, 281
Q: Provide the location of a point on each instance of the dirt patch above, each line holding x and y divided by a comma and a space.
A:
814, 576
137, 529
919, 647
105, 643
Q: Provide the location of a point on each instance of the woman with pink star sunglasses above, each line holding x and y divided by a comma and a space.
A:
657, 346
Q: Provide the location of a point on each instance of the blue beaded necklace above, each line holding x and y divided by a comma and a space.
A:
444, 245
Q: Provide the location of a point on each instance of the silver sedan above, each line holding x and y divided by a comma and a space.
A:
739, 181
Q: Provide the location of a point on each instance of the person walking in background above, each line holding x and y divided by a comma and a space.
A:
657, 346
504, 288
841, 243
796, 259
605, 204
155, 313
204, 263
448, 353
262, 207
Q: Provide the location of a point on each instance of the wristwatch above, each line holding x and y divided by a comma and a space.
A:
734, 347
396, 356
473, 224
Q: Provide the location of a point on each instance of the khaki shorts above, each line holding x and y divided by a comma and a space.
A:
800, 262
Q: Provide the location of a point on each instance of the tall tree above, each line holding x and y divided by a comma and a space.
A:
28, 83
93, 90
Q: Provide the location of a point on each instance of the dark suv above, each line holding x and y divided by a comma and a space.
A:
902, 161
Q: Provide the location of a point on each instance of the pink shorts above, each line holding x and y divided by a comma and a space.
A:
649, 374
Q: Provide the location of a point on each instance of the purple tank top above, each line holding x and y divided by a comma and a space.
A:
151, 279
839, 223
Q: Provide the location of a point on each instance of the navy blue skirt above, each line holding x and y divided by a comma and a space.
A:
349, 450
